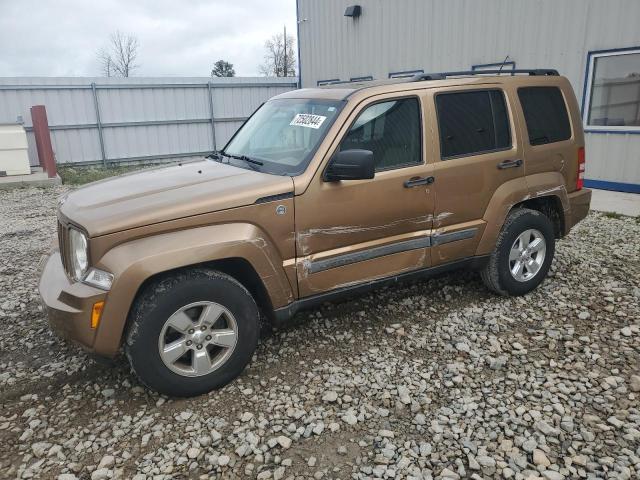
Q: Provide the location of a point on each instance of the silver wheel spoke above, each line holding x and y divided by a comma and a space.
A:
223, 337
516, 270
536, 245
523, 239
201, 361
180, 321
188, 354
527, 255
174, 350
210, 315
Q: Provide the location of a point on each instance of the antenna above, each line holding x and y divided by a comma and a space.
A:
503, 62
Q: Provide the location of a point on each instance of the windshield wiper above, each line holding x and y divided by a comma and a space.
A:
244, 158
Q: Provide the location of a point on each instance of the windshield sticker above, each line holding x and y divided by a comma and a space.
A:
307, 120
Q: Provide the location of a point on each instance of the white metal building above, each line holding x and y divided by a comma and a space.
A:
595, 43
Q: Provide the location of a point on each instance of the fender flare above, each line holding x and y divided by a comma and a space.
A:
134, 262
514, 192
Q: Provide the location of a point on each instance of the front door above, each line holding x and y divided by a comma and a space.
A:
478, 154
348, 232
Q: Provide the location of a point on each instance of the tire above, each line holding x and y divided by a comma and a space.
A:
224, 331
521, 224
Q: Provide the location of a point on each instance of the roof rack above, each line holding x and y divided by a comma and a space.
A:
443, 75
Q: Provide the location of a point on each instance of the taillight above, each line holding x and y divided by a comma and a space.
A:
581, 164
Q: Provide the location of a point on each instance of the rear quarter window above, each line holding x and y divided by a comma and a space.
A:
545, 113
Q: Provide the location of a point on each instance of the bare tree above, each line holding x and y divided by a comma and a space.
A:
280, 58
118, 59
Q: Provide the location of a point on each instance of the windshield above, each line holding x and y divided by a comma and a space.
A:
282, 135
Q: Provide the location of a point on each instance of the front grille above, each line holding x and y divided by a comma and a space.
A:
63, 244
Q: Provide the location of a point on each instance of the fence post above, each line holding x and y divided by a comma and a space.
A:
213, 119
99, 123
43, 140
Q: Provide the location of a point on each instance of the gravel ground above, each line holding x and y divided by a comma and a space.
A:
435, 379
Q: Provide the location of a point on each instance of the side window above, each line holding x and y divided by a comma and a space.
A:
391, 130
472, 122
545, 114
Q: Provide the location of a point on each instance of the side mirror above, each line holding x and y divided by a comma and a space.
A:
350, 165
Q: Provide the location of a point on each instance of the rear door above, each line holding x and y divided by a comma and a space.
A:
478, 152
349, 232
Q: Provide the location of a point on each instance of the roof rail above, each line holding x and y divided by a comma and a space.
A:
443, 75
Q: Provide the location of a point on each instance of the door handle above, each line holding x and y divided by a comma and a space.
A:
417, 181
510, 164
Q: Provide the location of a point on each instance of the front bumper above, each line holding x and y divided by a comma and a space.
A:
68, 304
579, 202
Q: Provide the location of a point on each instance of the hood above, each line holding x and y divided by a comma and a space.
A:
158, 195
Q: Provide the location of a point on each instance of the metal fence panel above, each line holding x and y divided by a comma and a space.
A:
96, 120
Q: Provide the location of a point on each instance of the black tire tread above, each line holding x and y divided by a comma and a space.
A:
147, 300
490, 273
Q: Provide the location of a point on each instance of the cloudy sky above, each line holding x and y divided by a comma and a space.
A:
177, 37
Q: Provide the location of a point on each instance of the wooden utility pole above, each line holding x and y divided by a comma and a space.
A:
285, 51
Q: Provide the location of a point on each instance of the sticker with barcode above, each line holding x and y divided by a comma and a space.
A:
307, 120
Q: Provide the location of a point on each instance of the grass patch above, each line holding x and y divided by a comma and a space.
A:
615, 215
88, 174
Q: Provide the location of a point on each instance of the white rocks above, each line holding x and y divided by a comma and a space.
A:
350, 418
284, 442
540, 458
467, 386
108, 392
193, 453
403, 394
420, 419
552, 475
101, 474
546, 429
246, 417
330, 396
486, 461
615, 422
529, 445
107, 461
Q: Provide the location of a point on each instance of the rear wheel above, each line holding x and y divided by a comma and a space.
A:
523, 253
192, 332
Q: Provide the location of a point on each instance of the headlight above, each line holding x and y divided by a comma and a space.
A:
78, 253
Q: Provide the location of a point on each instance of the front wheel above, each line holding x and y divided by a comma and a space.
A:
191, 332
523, 253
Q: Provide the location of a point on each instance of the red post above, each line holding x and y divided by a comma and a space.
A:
43, 139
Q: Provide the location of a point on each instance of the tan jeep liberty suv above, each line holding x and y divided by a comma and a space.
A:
322, 193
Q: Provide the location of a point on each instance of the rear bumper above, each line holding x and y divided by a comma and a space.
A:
68, 304
579, 202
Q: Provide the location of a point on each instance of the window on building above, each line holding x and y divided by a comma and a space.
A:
391, 130
613, 91
545, 114
472, 122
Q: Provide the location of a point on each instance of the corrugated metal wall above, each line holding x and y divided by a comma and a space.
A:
441, 35
140, 119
